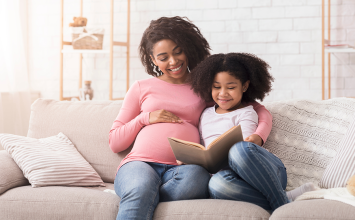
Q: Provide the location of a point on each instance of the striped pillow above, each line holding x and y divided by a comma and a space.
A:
342, 166
51, 161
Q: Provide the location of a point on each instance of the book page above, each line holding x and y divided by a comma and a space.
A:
189, 143
220, 137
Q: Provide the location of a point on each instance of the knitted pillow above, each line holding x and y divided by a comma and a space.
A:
305, 135
52, 161
342, 167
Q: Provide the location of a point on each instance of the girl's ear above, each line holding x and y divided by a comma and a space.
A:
152, 58
246, 86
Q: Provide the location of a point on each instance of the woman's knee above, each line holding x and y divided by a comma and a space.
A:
190, 182
197, 179
136, 180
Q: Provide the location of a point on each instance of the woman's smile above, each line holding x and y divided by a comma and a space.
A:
176, 70
171, 60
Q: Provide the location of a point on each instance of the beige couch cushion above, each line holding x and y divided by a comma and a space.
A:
209, 209
84, 203
11, 175
56, 202
317, 209
342, 167
86, 124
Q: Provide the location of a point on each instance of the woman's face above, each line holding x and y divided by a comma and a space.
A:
171, 60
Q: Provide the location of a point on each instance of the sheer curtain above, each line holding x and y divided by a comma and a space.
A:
15, 99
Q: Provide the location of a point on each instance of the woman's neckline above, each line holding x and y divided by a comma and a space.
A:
174, 84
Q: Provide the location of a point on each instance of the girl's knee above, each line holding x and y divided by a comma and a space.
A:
241, 152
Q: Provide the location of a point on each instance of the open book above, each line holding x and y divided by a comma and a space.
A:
213, 157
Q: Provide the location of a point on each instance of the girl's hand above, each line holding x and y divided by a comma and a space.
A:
254, 138
163, 116
180, 163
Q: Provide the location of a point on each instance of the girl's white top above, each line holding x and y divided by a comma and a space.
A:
212, 124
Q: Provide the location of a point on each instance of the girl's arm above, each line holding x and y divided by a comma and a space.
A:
265, 124
129, 121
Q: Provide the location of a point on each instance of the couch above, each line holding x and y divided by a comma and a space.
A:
87, 125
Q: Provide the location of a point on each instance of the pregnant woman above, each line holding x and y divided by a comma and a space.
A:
161, 107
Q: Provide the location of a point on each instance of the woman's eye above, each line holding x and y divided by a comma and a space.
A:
179, 52
231, 88
216, 87
163, 59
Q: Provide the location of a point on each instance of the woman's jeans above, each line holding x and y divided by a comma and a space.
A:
142, 185
255, 175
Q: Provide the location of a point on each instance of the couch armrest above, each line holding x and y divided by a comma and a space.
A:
10, 174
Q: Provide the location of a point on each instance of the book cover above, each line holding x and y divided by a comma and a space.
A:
213, 157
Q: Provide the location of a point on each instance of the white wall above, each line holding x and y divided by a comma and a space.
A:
285, 33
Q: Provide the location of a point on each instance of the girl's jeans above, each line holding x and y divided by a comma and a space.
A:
142, 185
255, 175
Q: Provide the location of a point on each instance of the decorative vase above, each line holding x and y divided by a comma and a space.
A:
87, 92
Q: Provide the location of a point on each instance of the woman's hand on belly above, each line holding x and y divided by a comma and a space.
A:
162, 115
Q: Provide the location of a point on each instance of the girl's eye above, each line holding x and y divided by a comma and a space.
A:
179, 52
232, 88
216, 87
163, 59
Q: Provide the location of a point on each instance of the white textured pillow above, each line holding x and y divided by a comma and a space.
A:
51, 161
342, 167
306, 134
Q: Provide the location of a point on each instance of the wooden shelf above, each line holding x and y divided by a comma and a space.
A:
108, 51
84, 51
345, 50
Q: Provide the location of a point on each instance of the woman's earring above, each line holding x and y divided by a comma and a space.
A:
156, 69
188, 69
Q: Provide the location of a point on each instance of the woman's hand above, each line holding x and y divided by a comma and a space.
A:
254, 138
163, 116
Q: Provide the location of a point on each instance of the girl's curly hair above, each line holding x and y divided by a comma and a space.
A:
180, 30
243, 66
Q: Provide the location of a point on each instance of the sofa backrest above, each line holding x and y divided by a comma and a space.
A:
306, 134
86, 124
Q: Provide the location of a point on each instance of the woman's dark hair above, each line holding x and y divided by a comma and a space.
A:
180, 30
243, 66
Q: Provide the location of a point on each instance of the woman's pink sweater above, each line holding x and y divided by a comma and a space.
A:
151, 140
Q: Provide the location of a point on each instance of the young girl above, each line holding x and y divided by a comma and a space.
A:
254, 175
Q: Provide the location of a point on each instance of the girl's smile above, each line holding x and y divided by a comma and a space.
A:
227, 92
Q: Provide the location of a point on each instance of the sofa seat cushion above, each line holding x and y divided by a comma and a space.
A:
57, 202
206, 209
316, 209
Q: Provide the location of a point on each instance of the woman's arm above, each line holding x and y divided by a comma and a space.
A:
265, 124
129, 121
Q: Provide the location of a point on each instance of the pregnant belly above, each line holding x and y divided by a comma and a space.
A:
152, 141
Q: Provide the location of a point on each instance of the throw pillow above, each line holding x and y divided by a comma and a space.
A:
342, 167
11, 175
51, 161
306, 134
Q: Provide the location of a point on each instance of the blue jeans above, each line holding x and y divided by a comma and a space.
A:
255, 175
142, 185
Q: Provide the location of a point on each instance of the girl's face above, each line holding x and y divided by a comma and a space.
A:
171, 60
227, 92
